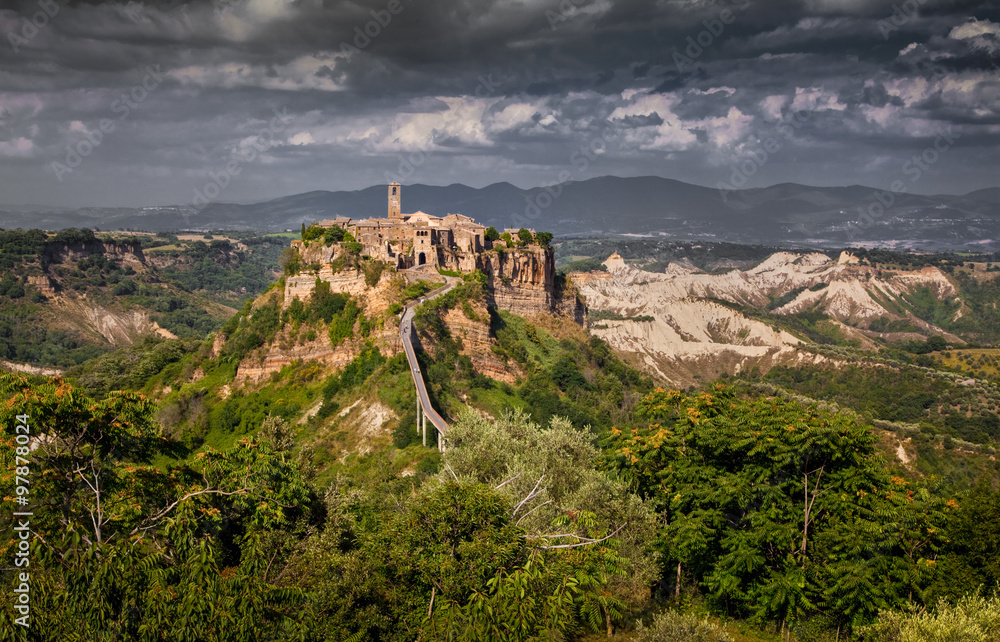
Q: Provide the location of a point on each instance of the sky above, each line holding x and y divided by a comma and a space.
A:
135, 104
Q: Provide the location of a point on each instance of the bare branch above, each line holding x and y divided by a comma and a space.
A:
585, 541
163, 513
507, 482
530, 496
531, 511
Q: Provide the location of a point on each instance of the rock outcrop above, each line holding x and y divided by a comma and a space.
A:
692, 336
293, 345
477, 343
523, 281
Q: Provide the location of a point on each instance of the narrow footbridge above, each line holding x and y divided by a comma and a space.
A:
425, 410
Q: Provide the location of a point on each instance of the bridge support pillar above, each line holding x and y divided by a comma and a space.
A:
425, 429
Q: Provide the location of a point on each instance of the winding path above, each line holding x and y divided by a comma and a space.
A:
406, 334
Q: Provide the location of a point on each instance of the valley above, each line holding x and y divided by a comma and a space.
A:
564, 363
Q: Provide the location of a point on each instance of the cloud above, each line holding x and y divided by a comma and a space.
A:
309, 72
493, 90
17, 148
302, 138
981, 35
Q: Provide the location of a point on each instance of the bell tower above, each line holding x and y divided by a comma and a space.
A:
395, 198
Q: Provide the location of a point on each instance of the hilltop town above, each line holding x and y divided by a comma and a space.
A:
451, 242
518, 265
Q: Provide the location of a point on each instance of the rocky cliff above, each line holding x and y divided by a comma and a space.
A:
293, 344
127, 253
523, 281
519, 280
477, 343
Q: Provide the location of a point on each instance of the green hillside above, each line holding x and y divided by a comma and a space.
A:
213, 487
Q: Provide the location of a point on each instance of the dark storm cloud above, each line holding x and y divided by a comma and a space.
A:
487, 90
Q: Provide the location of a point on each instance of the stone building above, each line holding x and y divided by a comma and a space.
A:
407, 240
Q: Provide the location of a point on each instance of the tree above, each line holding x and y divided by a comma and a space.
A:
525, 236
544, 238
289, 261
974, 558
779, 510
557, 468
492, 234
116, 540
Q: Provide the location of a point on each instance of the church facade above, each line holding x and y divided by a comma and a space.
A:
409, 240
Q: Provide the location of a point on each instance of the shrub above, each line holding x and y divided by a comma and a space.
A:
373, 272
405, 433
971, 619
126, 288
671, 626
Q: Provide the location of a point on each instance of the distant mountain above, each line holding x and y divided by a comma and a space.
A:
785, 214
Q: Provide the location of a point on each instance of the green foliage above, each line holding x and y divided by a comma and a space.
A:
74, 236
324, 305
227, 273
671, 626
19, 245
971, 619
585, 265
116, 540
126, 287
558, 467
974, 555
605, 315
354, 374
251, 329
312, 233
582, 381
342, 324
898, 394
525, 236
373, 272
131, 367
290, 261
492, 234
416, 289
779, 511
405, 433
